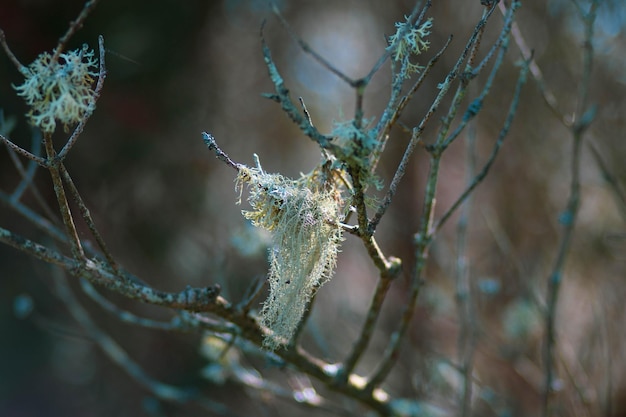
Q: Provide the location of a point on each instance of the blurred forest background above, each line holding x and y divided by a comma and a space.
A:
167, 209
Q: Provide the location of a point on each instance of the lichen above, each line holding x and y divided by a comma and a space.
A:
59, 90
357, 143
303, 216
407, 41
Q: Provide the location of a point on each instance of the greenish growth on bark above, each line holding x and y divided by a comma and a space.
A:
59, 90
304, 218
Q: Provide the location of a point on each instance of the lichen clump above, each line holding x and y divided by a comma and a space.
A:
357, 144
409, 41
59, 90
303, 216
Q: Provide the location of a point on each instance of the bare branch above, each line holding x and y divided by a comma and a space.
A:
3, 41
306, 48
494, 152
119, 356
41, 161
568, 218
209, 140
59, 191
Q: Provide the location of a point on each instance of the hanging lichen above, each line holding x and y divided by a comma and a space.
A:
303, 216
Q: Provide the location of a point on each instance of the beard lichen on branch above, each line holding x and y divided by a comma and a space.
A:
303, 216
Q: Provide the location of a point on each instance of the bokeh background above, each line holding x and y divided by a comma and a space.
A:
167, 208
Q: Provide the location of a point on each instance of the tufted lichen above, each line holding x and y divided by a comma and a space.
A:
59, 90
303, 216
409, 40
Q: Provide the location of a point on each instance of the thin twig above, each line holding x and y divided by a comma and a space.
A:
307, 49
504, 36
470, 54
54, 232
86, 215
28, 176
209, 140
393, 111
41, 161
127, 317
417, 131
494, 152
282, 97
425, 234
422, 243
59, 191
96, 95
3, 41
120, 357
476, 104
193, 299
389, 50
394, 108
367, 330
306, 112
569, 216
610, 178
466, 339
75, 25
253, 292
504, 244
196, 300
41, 223
527, 55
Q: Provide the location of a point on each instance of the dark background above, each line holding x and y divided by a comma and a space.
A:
167, 208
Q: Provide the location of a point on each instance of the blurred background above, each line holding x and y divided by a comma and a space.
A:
167, 208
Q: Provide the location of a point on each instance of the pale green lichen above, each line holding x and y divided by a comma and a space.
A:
357, 143
59, 90
303, 216
409, 41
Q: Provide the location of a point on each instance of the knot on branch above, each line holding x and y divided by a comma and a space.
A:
196, 298
394, 267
